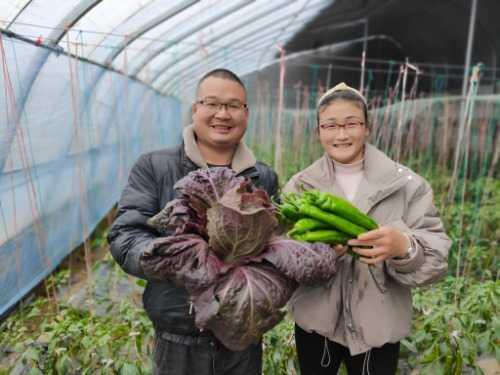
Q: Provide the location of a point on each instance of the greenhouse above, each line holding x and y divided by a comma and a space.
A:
95, 90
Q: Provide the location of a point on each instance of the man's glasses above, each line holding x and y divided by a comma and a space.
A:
350, 126
212, 106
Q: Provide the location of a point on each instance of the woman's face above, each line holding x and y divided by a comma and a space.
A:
343, 131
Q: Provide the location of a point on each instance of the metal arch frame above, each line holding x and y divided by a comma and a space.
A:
226, 32
248, 40
75, 15
254, 46
150, 25
164, 33
118, 25
330, 47
191, 82
28, 3
168, 86
137, 34
257, 46
147, 27
294, 17
39, 61
251, 32
340, 44
187, 33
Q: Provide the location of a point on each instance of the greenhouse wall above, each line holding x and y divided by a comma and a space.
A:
62, 169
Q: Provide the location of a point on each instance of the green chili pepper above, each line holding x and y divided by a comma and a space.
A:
292, 198
344, 209
332, 219
290, 212
307, 224
329, 236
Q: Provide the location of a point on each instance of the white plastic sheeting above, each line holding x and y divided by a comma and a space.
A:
166, 44
87, 86
67, 143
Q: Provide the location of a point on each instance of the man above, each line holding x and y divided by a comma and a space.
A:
220, 117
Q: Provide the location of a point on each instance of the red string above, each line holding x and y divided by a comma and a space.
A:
14, 117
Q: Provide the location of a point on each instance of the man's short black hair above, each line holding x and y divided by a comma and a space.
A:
221, 73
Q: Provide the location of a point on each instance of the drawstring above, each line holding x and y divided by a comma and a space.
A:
326, 352
366, 362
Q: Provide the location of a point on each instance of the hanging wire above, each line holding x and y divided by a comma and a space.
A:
74, 89
277, 158
468, 116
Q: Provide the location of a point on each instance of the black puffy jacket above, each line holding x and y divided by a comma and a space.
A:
149, 189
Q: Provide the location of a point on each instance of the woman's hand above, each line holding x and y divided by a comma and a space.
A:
386, 243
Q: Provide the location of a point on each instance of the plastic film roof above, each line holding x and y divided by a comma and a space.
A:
167, 44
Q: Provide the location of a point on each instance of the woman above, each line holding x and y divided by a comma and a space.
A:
360, 317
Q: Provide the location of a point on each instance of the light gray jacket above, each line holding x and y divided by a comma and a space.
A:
364, 307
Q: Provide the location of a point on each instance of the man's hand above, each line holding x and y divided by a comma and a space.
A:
386, 243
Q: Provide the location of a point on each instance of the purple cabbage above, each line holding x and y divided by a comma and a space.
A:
180, 217
241, 223
220, 243
207, 185
305, 263
245, 303
184, 259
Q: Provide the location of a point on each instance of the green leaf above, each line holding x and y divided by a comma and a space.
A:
458, 364
142, 283
34, 371
436, 368
32, 354
431, 355
63, 365
409, 345
87, 342
483, 342
34, 312
138, 343
129, 369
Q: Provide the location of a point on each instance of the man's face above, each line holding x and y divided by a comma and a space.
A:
344, 143
216, 125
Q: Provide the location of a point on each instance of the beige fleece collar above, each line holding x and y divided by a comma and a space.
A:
379, 169
380, 177
243, 157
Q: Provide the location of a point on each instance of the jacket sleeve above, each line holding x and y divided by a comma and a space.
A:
294, 185
429, 262
275, 187
130, 233
268, 180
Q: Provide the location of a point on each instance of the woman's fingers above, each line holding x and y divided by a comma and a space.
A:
390, 241
356, 242
373, 234
372, 260
364, 252
373, 255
